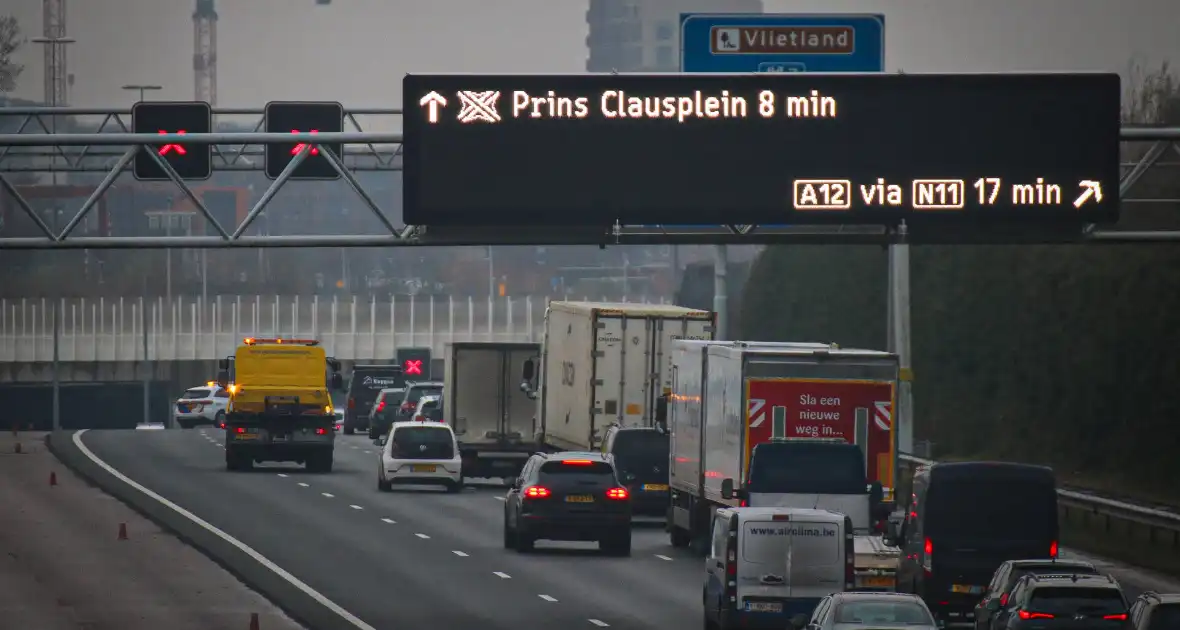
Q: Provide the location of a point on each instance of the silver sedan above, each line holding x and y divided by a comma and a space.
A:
880, 611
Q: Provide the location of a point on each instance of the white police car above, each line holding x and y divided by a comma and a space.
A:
201, 405
420, 453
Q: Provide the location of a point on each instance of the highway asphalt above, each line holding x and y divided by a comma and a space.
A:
414, 558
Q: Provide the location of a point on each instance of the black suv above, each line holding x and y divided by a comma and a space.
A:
641, 454
1152, 611
568, 496
1076, 602
995, 598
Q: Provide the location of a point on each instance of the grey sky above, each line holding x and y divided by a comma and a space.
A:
356, 51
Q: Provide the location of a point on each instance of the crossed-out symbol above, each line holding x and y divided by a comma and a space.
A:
478, 106
167, 148
413, 367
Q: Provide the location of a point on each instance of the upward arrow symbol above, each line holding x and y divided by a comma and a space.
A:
432, 102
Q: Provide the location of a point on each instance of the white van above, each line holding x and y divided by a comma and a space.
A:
768, 564
420, 453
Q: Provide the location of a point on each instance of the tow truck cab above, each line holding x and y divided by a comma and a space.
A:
280, 406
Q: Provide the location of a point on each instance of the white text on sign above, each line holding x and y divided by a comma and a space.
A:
697, 105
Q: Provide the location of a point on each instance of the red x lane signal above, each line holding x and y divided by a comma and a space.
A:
299, 147
412, 367
165, 149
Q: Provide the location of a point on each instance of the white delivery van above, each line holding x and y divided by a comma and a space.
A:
766, 565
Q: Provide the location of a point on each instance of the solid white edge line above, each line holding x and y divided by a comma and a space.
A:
239, 545
599, 623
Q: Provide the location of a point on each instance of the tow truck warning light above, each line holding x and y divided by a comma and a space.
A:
250, 341
412, 367
299, 147
167, 148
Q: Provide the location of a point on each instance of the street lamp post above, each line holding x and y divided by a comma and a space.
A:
142, 89
55, 43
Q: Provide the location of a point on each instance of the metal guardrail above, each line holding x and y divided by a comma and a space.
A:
1109, 509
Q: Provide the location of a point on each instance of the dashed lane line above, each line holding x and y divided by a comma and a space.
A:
356, 507
389, 520
305, 485
502, 575
461, 554
663, 557
600, 623
283, 475
548, 598
422, 536
349, 618
328, 495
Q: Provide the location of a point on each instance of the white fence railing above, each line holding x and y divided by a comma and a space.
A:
350, 328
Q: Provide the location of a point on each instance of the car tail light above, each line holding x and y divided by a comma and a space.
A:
1004, 599
928, 557
617, 493
1053, 549
351, 403
1118, 617
380, 407
928, 547
537, 492
321, 431
239, 429
221, 425
1024, 614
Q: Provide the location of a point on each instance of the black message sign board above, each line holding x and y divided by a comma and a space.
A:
769, 149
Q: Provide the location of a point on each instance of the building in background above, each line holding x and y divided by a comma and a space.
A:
644, 35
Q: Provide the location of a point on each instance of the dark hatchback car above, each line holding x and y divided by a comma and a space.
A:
1065, 602
641, 457
964, 520
1010, 572
568, 496
385, 411
1153, 611
366, 382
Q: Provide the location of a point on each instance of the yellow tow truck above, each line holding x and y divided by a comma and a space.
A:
280, 404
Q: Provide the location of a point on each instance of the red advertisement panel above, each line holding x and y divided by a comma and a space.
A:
825, 408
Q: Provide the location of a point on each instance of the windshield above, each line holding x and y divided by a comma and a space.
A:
966, 507
428, 404
415, 393
1165, 617
642, 453
193, 394
807, 468
883, 612
1070, 600
423, 442
578, 473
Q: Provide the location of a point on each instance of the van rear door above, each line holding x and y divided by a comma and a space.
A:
816, 561
763, 579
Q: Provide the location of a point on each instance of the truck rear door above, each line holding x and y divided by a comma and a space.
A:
516, 408
621, 371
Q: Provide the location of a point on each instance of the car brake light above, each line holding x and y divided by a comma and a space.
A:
321, 431
1004, 599
616, 493
1024, 614
380, 407
351, 403
239, 429
929, 547
536, 492
577, 462
1118, 617
1053, 549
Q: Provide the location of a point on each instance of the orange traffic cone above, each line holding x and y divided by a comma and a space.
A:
254, 625
122, 531
52, 478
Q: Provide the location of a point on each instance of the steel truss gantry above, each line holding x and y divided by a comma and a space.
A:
1161, 141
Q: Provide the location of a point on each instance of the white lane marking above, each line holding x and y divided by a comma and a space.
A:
501, 498
389, 520
305, 485
284, 475
239, 545
328, 495
221, 445
548, 598
355, 448
422, 536
461, 554
356, 507
599, 623
502, 575
369, 452
663, 557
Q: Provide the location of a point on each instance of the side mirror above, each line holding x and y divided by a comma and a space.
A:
223, 364
223, 377
337, 381
727, 489
799, 621
891, 530
529, 370
517, 483
662, 410
334, 364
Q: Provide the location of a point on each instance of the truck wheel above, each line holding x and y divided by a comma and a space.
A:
617, 544
679, 538
455, 487
319, 462
237, 461
349, 429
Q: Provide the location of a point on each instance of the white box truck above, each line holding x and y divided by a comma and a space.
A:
607, 363
784, 425
482, 400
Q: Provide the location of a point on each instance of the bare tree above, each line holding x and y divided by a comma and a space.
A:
11, 41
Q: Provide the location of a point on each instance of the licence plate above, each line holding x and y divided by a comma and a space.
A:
655, 486
764, 607
879, 582
579, 498
280, 438
966, 589
245, 436
423, 468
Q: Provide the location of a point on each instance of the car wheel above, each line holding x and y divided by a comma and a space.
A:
454, 487
383, 485
618, 544
219, 419
679, 538
508, 536
184, 424
524, 542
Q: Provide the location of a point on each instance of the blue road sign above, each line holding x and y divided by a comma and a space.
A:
782, 42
